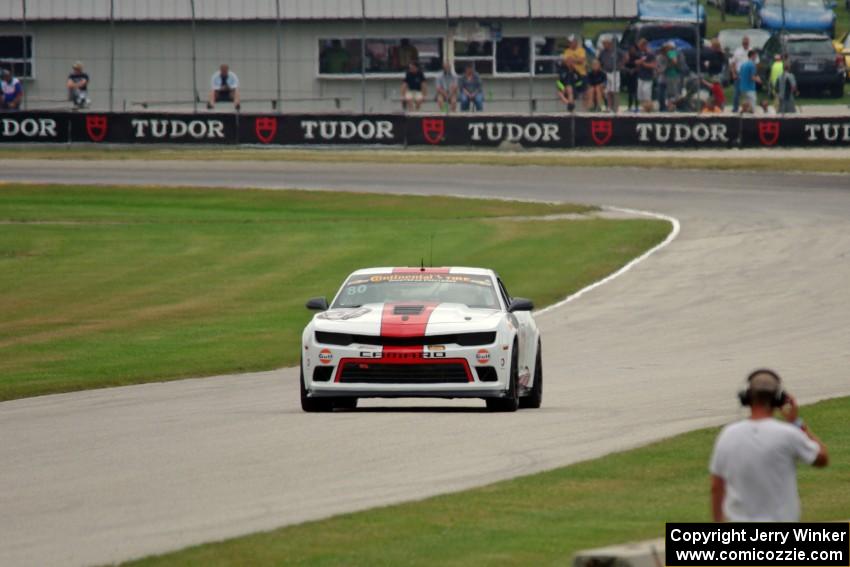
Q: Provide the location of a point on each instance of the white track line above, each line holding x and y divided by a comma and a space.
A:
670, 238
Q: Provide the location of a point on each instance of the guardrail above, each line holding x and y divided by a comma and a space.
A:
557, 131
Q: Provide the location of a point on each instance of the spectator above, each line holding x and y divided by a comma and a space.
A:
413, 88
407, 54
753, 466
714, 60
747, 80
674, 69
711, 106
612, 61
78, 86
645, 65
786, 90
12, 91
776, 69
630, 75
447, 89
717, 94
567, 78
225, 88
596, 86
471, 90
740, 57
578, 55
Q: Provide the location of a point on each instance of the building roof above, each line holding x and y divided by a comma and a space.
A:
230, 10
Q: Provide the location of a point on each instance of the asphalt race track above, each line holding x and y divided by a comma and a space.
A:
760, 275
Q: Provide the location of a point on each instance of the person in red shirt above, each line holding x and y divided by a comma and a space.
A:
716, 93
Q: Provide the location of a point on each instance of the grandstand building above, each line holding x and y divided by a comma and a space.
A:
289, 55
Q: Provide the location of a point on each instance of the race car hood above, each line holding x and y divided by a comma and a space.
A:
407, 319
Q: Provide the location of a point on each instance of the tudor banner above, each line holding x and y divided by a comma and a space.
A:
673, 131
542, 131
34, 127
775, 131
438, 130
321, 129
153, 128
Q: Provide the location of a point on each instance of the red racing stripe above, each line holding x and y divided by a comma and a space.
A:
406, 324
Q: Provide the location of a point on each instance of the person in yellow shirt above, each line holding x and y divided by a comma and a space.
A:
578, 55
776, 70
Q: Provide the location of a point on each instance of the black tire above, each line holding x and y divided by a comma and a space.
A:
313, 405
837, 90
345, 403
510, 402
535, 397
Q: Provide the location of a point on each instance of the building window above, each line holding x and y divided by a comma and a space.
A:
512, 55
479, 54
16, 54
548, 52
384, 56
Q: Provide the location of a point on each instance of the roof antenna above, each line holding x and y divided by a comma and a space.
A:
422, 269
431, 259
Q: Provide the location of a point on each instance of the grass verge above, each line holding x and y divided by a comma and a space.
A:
541, 519
729, 161
113, 286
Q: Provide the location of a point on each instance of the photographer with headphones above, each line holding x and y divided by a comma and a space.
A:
754, 464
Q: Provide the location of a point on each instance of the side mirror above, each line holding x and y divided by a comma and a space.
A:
520, 304
318, 304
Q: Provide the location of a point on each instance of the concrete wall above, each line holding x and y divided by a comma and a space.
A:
153, 62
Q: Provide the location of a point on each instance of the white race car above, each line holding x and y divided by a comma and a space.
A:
421, 332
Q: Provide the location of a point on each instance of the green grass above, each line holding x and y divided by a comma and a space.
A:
537, 520
113, 286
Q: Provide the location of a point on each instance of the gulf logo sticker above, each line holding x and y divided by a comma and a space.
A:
483, 356
325, 356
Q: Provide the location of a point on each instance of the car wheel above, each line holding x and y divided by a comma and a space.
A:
535, 396
313, 405
837, 90
510, 402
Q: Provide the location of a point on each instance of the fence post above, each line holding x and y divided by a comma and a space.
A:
530, 60
23, 48
363, 56
194, 61
277, 30
111, 54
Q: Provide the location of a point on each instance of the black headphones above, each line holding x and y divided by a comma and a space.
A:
779, 397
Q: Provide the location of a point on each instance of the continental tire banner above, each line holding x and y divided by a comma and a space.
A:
459, 130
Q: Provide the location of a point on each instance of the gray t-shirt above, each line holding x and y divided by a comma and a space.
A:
446, 81
611, 59
757, 459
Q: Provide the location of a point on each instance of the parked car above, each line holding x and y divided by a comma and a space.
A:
813, 60
799, 15
680, 11
842, 46
684, 36
738, 7
730, 39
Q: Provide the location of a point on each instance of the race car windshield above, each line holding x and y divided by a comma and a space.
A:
474, 291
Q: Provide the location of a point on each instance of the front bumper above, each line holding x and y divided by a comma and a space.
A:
444, 371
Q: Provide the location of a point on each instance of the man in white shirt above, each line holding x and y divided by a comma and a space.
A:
754, 464
224, 87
